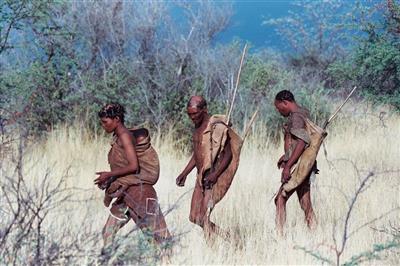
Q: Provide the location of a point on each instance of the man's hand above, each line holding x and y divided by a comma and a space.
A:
285, 175
180, 180
281, 162
102, 179
209, 181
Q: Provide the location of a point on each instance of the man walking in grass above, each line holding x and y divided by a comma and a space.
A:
216, 150
296, 140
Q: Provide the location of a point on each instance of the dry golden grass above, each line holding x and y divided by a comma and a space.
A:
248, 207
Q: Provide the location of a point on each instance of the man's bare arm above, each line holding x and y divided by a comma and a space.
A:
286, 139
221, 166
189, 167
226, 159
180, 180
298, 150
282, 162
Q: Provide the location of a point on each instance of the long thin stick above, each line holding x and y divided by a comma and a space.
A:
228, 117
246, 132
339, 108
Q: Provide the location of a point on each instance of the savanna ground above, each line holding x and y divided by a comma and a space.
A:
360, 142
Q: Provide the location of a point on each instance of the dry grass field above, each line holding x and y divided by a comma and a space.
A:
358, 143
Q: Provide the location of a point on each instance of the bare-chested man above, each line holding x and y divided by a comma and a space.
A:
296, 140
215, 156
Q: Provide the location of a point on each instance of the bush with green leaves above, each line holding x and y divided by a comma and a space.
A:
374, 63
40, 94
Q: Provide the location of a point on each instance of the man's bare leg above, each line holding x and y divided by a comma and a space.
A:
304, 195
280, 202
195, 206
200, 213
210, 228
280, 218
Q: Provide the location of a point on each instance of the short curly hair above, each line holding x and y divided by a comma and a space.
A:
285, 95
112, 110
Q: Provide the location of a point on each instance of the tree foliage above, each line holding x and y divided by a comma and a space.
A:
316, 32
377, 58
374, 62
63, 60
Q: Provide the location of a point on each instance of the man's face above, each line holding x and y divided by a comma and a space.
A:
196, 115
282, 107
109, 124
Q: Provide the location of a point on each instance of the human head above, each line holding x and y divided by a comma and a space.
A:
111, 115
284, 102
197, 109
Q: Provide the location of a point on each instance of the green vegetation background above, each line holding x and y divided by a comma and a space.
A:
61, 61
